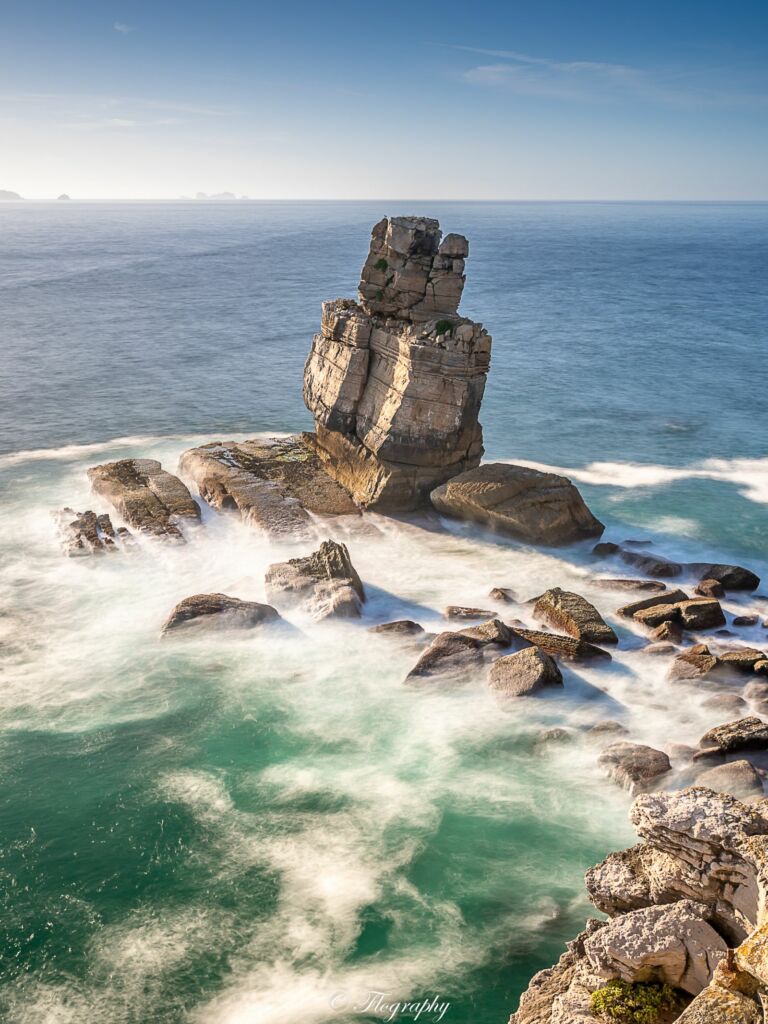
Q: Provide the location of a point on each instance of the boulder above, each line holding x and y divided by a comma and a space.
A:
218, 611
731, 577
606, 732
670, 631
400, 627
726, 704
494, 631
744, 659
323, 584
738, 778
671, 945
457, 611
757, 690
503, 595
701, 613
750, 733
523, 673
540, 508
709, 588
745, 620
274, 483
633, 765
567, 647
395, 381
146, 496
85, 533
660, 649
451, 657
574, 615
695, 663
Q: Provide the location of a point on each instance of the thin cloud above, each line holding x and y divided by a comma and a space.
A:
120, 26
587, 81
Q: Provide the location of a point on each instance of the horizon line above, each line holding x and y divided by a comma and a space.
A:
371, 199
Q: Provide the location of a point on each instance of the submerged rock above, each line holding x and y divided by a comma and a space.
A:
541, 508
150, 499
395, 381
634, 765
653, 565
574, 615
274, 483
457, 611
323, 584
709, 588
739, 778
503, 595
218, 611
653, 586
400, 627
523, 673
694, 663
85, 533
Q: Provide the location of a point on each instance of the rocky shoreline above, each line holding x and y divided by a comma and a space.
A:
395, 382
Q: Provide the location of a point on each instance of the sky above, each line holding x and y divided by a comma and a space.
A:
545, 99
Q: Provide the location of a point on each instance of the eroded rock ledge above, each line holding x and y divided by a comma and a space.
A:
687, 908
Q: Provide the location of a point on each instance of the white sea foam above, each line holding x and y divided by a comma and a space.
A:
749, 475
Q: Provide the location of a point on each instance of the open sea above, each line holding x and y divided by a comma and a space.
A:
271, 831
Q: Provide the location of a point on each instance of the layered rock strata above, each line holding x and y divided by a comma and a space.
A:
276, 484
147, 497
395, 381
86, 533
687, 908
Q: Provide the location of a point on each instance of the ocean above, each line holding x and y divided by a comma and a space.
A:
273, 830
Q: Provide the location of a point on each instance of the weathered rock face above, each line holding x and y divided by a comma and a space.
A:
146, 496
541, 508
572, 613
323, 584
274, 483
218, 611
523, 673
566, 647
690, 891
633, 765
395, 381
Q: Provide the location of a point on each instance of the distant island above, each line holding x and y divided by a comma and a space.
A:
63, 196
5, 194
218, 195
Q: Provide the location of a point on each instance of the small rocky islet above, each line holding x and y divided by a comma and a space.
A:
395, 382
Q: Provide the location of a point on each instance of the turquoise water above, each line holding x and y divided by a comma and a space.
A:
268, 829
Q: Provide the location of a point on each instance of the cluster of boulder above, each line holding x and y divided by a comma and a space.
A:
686, 909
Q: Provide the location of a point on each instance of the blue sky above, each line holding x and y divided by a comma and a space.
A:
420, 100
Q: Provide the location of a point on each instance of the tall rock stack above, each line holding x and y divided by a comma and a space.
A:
395, 381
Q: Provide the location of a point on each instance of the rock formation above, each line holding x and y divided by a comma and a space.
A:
323, 584
146, 496
541, 508
395, 381
687, 908
85, 533
218, 611
523, 673
274, 483
572, 613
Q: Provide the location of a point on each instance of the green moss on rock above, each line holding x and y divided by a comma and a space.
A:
619, 1002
